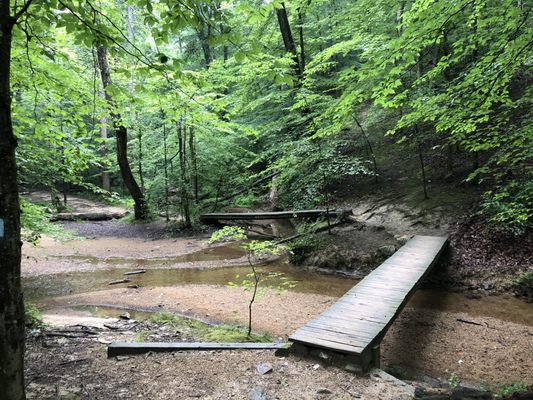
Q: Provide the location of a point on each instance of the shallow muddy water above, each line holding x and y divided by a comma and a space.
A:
227, 252
38, 289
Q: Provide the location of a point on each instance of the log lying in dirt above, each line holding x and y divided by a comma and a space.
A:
274, 215
88, 216
126, 348
119, 281
140, 271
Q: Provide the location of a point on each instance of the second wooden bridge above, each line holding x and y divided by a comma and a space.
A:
356, 324
210, 217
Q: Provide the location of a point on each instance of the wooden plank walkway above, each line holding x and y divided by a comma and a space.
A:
272, 215
357, 322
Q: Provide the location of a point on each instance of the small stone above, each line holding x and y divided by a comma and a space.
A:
121, 358
264, 368
323, 355
403, 239
324, 391
356, 369
125, 316
258, 394
316, 366
387, 251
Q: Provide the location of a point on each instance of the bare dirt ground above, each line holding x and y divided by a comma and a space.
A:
482, 350
434, 343
79, 369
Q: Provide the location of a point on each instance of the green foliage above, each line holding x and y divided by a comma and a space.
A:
508, 389
267, 280
227, 233
35, 222
217, 101
223, 333
454, 380
142, 336
523, 284
312, 169
32, 316
233, 334
250, 200
300, 248
510, 207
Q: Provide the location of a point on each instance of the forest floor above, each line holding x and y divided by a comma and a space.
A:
458, 343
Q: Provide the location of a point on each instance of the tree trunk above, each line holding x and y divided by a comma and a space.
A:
288, 41
301, 34
11, 304
165, 160
194, 167
121, 133
423, 170
204, 33
206, 48
183, 173
370, 150
106, 182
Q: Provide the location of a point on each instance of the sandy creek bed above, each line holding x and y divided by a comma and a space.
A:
183, 275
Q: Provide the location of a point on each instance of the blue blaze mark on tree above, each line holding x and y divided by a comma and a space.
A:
1, 227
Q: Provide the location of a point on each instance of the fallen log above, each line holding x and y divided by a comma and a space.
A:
88, 216
119, 281
140, 271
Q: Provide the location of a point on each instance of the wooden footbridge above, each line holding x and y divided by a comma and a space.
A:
355, 325
213, 217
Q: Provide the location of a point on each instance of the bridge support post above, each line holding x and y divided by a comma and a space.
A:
376, 356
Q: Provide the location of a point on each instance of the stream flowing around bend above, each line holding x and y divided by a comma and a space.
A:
39, 289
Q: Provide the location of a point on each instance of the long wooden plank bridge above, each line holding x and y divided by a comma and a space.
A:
272, 215
355, 325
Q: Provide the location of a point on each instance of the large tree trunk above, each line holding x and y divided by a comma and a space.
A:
288, 41
11, 304
302, 43
194, 166
121, 133
184, 182
106, 181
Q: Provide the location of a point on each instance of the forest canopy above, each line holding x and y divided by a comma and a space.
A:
213, 96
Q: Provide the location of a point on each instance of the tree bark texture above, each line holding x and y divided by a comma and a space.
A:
302, 43
288, 40
194, 166
122, 140
11, 304
106, 181
182, 140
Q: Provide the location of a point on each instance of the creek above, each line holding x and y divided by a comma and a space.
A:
40, 289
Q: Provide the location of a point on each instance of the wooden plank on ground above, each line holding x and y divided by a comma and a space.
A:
124, 348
